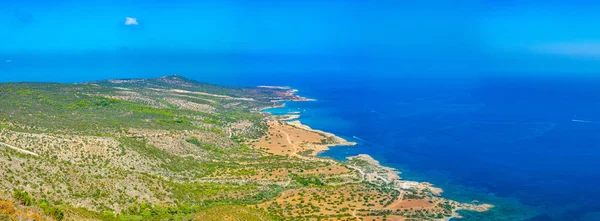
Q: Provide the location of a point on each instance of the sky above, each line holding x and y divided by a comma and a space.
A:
252, 26
377, 36
541, 36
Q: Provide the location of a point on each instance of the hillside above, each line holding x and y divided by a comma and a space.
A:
172, 148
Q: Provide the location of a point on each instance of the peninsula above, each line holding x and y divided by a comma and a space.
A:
172, 148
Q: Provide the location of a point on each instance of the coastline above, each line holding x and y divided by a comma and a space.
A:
337, 141
370, 169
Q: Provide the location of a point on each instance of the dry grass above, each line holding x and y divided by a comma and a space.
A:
10, 211
283, 139
231, 213
348, 201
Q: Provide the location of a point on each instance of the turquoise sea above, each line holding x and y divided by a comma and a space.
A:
529, 145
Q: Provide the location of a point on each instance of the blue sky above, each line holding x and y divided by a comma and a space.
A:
536, 36
255, 26
388, 36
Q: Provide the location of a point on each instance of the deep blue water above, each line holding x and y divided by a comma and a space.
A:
509, 141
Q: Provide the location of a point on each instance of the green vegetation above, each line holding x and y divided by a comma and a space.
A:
78, 119
307, 180
23, 197
152, 149
52, 211
207, 147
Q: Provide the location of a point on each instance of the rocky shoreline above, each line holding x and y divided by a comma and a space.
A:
373, 172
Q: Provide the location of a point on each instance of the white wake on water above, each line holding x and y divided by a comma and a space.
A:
585, 121
365, 141
358, 138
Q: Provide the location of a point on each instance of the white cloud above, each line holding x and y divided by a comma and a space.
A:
574, 49
131, 21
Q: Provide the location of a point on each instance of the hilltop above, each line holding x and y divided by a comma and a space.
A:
172, 148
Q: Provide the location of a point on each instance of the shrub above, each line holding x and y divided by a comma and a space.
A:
54, 212
23, 197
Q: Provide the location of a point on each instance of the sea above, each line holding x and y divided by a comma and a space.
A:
528, 144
